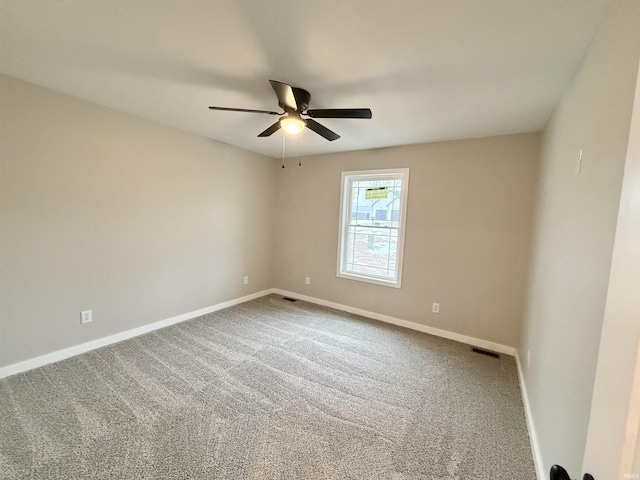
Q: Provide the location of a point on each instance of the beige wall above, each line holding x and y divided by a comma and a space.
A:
467, 238
576, 218
105, 211
141, 222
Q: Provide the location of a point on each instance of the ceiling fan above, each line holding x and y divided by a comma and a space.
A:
295, 103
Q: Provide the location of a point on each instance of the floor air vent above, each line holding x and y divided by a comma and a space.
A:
289, 299
485, 352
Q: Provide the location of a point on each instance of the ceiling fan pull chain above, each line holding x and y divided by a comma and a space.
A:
283, 137
300, 149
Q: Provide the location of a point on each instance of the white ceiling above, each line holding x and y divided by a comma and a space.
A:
430, 70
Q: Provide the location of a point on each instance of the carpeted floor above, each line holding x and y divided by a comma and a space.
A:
269, 389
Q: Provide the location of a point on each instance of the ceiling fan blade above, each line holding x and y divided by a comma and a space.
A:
340, 113
302, 98
229, 109
271, 130
322, 130
286, 96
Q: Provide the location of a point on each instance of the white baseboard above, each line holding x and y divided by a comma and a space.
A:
541, 472
118, 337
476, 342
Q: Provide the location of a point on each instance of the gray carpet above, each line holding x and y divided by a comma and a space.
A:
269, 390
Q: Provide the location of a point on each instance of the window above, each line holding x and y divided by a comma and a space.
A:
373, 213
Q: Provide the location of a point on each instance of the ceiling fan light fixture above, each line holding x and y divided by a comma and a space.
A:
292, 124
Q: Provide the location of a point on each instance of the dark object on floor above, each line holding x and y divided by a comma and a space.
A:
559, 473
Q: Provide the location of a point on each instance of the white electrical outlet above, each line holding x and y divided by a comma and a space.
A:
245, 280
435, 308
86, 316
307, 280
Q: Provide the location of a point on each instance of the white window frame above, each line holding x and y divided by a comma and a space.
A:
347, 180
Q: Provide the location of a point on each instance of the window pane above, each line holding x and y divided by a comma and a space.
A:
372, 211
376, 211
368, 251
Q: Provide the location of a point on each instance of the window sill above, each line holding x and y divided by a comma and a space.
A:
375, 281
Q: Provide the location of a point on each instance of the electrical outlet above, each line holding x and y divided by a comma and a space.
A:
435, 308
307, 280
86, 316
245, 280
